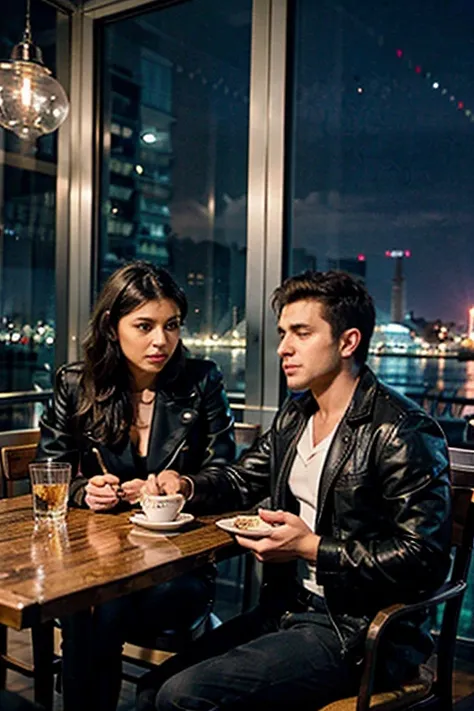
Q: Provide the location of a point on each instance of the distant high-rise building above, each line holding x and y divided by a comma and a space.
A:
398, 303
355, 266
138, 184
302, 260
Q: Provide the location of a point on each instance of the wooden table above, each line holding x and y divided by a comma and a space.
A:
91, 559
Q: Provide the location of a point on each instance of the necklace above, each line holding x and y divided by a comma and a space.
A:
142, 400
139, 399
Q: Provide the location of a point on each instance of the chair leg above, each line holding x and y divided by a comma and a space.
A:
3, 651
43, 657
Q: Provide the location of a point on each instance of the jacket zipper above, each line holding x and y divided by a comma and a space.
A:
279, 490
176, 453
336, 628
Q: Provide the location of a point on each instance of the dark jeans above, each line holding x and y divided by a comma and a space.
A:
93, 639
257, 661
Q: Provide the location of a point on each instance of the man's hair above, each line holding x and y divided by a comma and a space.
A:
346, 303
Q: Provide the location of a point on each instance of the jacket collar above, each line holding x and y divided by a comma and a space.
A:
360, 407
344, 441
363, 400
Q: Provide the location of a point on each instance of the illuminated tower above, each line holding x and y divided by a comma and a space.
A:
398, 308
470, 332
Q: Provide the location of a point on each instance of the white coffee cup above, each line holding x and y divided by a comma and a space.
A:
161, 509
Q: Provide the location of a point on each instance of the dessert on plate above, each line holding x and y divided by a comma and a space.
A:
245, 523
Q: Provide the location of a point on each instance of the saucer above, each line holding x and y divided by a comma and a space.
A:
140, 519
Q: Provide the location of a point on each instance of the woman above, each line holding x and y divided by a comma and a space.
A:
136, 406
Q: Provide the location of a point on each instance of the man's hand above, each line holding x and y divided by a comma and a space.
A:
291, 539
167, 482
132, 490
100, 492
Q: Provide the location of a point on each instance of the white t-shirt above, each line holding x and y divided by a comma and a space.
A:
304, 481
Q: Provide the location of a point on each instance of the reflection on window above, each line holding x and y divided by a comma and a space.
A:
384, 174
175, 183
27, 235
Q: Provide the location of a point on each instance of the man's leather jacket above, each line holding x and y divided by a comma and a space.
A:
383, 505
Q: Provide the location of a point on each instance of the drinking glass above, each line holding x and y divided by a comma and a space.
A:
50, 489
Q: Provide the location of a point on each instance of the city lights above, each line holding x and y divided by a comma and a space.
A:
471, 323
149, 138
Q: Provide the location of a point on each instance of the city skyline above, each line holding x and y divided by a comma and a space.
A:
381, 158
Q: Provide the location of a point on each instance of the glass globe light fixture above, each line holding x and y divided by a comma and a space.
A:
32, 101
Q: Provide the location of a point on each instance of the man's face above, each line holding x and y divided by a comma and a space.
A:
310, 356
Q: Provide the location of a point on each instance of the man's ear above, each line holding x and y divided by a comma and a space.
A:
349, 342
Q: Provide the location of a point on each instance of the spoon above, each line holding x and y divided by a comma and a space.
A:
118, 487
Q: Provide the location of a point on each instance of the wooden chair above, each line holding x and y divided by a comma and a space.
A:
17, 450
245, 435
462, 466
429, 692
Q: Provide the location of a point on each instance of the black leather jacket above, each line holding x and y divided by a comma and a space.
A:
191, 428
383, 505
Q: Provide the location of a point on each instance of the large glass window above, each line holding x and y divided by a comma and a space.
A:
174, 168
27, 233
384, 174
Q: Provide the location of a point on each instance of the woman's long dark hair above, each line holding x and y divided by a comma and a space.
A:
105, 395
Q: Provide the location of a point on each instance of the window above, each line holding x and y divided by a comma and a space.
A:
176, 108
384, 174
27, 234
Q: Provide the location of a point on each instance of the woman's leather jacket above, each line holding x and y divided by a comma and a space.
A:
192, 427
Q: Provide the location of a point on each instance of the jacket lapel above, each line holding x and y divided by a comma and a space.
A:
172, 420
341, 447
175, 411
344, 440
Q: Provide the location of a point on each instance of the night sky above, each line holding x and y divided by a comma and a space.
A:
382, 158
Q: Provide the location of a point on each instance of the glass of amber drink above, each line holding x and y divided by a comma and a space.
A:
50, 489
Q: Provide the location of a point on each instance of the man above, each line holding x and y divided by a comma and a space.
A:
360, 498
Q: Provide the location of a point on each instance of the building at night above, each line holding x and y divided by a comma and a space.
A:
355, 266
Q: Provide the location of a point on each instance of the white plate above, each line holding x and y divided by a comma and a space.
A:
227, 524
141, 520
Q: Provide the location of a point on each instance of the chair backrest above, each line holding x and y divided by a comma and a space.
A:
462, 466
17, 450
245, 435
462, 542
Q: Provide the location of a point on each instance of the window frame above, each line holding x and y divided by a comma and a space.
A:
266, 211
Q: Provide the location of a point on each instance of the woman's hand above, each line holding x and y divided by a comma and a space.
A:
167, 482
100, 492
132, 490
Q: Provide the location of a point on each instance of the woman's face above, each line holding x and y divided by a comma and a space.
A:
148, 336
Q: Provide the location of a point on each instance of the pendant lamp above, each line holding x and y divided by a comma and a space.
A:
32, 101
